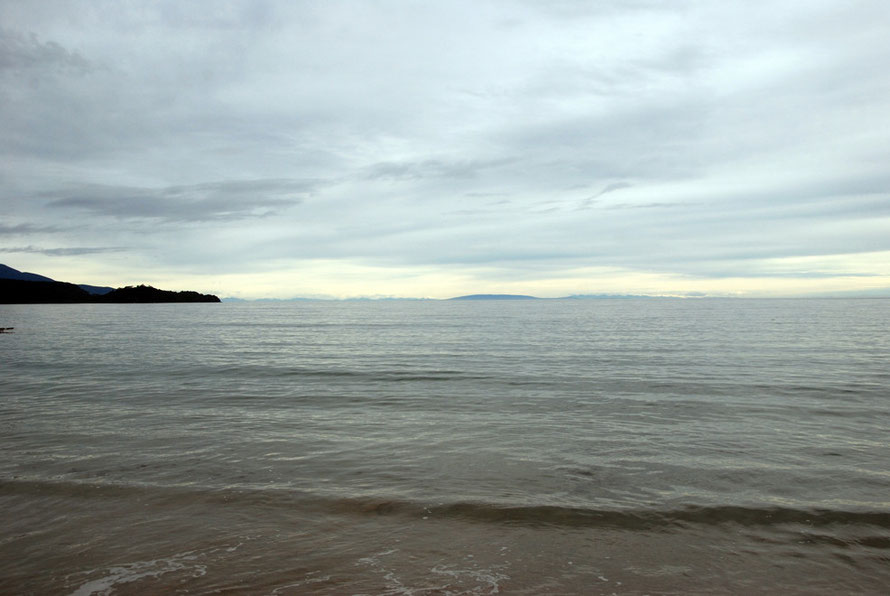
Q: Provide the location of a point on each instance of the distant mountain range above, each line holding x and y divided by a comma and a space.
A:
468, 298
495, 297
17, 287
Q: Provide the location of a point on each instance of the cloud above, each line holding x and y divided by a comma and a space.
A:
431, 168
24, 229
21, 51
227, 200
485, 141
613, 187
63, 252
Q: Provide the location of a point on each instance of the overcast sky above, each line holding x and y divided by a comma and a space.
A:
413, 148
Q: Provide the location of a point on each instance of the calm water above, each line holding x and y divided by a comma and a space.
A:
560, 447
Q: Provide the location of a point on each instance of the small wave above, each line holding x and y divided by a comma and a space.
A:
392, 375
645, 519
660, 519
374, 375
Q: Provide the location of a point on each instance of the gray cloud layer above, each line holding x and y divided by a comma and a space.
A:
689, 138
61, 252
199, 202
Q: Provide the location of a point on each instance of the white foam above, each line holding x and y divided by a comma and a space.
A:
305, 582
394, 585
488, 578
460, 580
130, 572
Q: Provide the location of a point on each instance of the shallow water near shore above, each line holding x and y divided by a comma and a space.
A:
640, 446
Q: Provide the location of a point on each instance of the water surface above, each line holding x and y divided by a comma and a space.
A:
575, 446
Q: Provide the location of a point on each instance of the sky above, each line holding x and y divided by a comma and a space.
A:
433, 149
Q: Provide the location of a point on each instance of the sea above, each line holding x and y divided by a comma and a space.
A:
598, 446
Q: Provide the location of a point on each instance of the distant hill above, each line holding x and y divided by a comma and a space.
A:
495, 297
95, 290
7, 272
20, 291
17, 287
150, 294
10, 273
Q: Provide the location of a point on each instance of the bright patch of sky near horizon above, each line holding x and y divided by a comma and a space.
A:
277, 149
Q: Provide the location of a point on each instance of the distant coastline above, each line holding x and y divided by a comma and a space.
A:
464, 298
572, 297
17, 287
44, 290
495, 297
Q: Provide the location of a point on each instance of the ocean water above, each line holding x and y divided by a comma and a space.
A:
633, 446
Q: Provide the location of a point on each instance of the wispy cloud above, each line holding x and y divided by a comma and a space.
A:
22, 51
228, 200
25, 229
63, 252
431, 168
